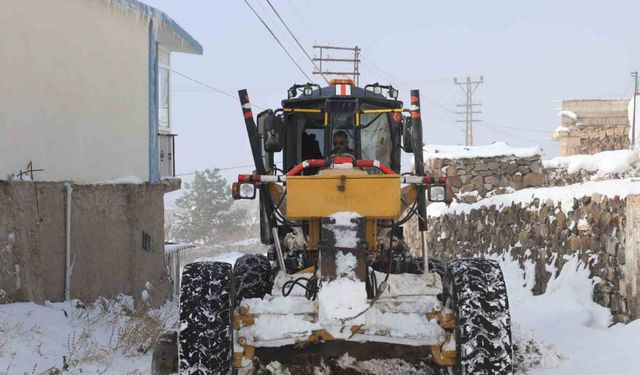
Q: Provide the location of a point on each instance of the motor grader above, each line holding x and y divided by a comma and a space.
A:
338, 269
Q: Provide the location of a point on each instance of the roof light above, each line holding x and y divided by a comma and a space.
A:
292, 92
334, 82
377, 90
308, 90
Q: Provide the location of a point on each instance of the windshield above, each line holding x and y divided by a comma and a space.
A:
375, 136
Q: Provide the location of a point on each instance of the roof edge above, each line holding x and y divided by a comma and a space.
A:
164, 19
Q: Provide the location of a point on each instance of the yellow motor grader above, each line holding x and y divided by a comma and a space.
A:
338, 268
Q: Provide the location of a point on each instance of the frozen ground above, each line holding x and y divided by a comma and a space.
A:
559, 333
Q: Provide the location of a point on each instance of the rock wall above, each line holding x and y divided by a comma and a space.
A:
475, 178
117, 241
595, 229
592, 126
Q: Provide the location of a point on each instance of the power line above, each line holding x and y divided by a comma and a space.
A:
296, 39
278, 40
220, 169
219, 91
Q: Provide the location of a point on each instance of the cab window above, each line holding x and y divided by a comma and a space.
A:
375, 136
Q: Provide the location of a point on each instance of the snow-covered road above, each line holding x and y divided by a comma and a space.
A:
568, 332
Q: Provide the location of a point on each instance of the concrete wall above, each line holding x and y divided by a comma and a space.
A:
74, 92
107, 228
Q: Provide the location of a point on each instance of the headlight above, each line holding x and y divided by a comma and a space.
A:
437, 193
243, 190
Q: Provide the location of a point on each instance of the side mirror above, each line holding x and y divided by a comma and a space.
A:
243, 190
437, 193
271, 128
407, 135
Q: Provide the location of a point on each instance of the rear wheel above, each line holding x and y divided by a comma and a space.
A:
252, 276
476, 292
206, 308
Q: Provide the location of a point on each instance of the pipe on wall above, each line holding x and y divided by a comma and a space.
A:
68, 265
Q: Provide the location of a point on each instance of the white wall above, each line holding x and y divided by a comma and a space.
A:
74, 90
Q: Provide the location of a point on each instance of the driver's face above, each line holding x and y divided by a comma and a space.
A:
340, 144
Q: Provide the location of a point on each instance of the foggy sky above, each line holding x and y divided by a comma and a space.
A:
529, 52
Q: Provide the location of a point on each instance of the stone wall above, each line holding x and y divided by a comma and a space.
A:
592, 126
475, 178
117, 240
597, 229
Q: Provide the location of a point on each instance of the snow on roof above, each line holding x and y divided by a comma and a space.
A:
618, 161
573, 115
169, 33
463, 152
562, 129
170, 247
558, 194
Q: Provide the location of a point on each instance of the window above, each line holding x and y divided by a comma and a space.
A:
163, 89
376, 137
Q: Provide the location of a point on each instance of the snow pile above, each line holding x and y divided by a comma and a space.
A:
344, 297
107, 337
558, 194
561, 129
604, 163
569, 114
486, 151
563, 331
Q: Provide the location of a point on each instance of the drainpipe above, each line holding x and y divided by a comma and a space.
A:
68, 265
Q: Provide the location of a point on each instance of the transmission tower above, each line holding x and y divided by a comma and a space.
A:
353, 59
468, 87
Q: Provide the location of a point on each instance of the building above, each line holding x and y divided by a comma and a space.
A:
593, 125
85, 100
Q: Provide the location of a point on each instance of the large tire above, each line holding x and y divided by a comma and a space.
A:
476, 292
417, 266
252, 276
206, 309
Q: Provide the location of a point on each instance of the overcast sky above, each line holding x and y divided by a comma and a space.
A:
531, 53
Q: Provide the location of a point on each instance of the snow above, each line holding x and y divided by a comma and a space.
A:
570, 114
562, 129
170, 248
345, 231
562, 332
574, 330
96, 339
346, 296
135, 180
229, 257
558, 194
485, 151
606, 162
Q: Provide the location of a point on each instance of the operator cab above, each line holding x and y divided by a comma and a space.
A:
306, 125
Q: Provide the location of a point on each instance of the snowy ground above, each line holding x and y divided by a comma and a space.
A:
559, 333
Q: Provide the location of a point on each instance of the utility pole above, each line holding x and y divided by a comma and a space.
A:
468, 87
352, 58
633, 126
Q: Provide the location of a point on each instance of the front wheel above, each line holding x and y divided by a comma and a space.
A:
476, 292
206, 308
